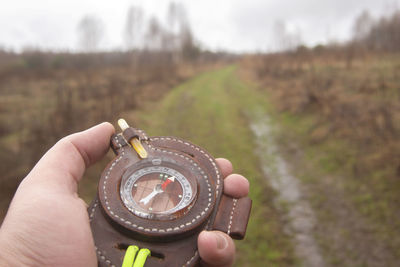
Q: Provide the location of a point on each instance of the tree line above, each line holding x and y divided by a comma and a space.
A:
145, 34
381, 34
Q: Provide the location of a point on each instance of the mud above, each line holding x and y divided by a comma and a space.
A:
300, 218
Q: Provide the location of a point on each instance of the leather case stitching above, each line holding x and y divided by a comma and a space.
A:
231, 215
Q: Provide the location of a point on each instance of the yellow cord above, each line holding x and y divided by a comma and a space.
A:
130, 254
129, 257
141, 257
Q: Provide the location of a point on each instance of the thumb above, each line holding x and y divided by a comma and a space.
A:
63, 165
216, 248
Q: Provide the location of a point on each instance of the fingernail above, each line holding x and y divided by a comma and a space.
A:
221, 240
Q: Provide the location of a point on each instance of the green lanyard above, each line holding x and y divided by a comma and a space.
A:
130, 254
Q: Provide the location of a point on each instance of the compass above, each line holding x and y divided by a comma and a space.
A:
159, 193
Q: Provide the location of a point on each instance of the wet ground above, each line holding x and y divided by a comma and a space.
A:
325, 226
290, 200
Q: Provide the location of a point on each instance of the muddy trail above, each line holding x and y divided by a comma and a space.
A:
324, 225
300, 218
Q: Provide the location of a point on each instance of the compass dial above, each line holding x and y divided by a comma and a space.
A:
157, 192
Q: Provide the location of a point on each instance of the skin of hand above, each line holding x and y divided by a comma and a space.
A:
47, 224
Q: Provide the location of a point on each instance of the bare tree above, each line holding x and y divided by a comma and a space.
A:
177, 21
385, 33
362, 26
133, 27
279, 33
180, 40
284, 39
189, 50
173, 17
90, 32
154, 35
170, 40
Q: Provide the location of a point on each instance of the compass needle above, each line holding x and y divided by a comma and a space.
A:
167, 182
155, 191
150, 196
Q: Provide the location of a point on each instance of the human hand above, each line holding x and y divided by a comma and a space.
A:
47, 224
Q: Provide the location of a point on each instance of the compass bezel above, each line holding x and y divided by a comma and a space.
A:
158, 165
197, 213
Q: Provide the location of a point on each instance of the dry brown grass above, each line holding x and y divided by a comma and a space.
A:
359, 104
40, 103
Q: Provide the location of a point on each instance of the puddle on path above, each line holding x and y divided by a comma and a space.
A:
290, 199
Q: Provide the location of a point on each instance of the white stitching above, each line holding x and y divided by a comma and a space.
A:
145, 138
104, 258
231, 216
92, 210
191, 259
198, 149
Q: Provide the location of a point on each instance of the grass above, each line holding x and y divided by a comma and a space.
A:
331, 162
210, 110
336, 156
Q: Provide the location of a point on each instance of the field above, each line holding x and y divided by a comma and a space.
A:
339, 128
331, 121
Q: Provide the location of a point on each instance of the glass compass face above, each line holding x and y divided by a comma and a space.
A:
157, 192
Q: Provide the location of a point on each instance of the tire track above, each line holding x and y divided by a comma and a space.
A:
290, 200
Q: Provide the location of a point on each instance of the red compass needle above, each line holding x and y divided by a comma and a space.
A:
167, 182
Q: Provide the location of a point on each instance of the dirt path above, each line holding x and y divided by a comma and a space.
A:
290, 199
209, 111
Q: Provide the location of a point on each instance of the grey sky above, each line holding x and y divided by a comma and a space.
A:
236, 25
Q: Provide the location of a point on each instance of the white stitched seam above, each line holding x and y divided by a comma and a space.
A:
198, 149
92, 210
104, 258
191, 259
231, 217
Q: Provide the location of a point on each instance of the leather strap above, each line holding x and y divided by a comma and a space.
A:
232, 216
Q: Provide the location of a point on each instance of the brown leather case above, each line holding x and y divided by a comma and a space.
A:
173, 242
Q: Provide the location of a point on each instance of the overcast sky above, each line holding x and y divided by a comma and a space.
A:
235, 25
